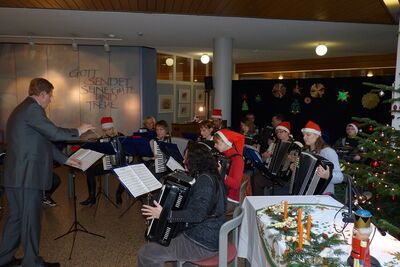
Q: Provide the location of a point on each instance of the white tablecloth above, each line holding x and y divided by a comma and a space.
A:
383, 248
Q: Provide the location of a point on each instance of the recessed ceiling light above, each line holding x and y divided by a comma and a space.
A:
205, 59
321, 50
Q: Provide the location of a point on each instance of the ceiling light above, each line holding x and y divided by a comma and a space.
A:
321, 50
106, 46
201, 109
169, 61
205, 59
74, 46
280, 77
370, 74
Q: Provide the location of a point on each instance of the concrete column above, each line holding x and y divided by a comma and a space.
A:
222, 76
396, 119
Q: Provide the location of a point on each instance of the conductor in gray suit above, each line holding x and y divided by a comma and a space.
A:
28, 171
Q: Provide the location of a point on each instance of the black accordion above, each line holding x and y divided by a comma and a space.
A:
305, 181
279, 157
173, 196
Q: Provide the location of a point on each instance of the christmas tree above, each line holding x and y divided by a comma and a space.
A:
379, 171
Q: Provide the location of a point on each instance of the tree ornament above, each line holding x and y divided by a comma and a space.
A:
393, 198
382, 134
317, 90
343, 96
295, 108
381, 93
370, 129
370, 100
372, 186
307, 100
377, 196
258, 98
245, 106
375, 164
297, 89
279, 90
362, 148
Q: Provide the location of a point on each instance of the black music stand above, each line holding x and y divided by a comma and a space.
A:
74, 229
108, 149
135, 146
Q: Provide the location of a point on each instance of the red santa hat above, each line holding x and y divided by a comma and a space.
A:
285, 126
216, 114
106, 123
232, 139
355, 125
311, 127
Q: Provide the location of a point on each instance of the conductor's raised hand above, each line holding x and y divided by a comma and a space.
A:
74, 162
84, 127
152, 212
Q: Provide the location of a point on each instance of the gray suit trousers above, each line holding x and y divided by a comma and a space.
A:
22, 225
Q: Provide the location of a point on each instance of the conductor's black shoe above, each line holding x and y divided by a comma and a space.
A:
13, 263
118, 199
90, 201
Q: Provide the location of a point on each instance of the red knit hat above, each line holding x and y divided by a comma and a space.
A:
355, 125
106, 123
232, 138
311, 127
216, 114
284, 125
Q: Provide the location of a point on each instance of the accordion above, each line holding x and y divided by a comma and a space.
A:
304, 180
279, 156
173, 196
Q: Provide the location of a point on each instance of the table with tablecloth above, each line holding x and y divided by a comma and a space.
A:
260, 249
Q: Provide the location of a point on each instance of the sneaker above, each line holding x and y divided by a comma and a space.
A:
48, 201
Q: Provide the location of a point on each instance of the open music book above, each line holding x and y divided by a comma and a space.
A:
174, 165
137, 179
87, 157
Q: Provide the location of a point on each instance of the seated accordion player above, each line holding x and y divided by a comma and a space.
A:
304, 180
173, 196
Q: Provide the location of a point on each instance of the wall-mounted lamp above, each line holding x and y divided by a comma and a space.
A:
205, 59
106, 46
370, 74
201, 109
31, 44
74, 46
321, 50
280, 77
169, 61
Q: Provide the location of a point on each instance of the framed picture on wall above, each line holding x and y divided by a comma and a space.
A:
199, 97
165, 104
184, 96
183, 110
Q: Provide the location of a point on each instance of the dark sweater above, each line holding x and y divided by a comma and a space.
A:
203, 229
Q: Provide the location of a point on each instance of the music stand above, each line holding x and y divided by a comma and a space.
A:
74, 229
135, 146
108, 149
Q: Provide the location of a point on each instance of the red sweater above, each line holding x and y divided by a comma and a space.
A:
234, 178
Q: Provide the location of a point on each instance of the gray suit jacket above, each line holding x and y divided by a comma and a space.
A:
30, 152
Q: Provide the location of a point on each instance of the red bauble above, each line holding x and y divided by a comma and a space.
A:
370, 129
375, 164
372, 186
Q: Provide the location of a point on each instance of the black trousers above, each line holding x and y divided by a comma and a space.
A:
23, 225
54, 185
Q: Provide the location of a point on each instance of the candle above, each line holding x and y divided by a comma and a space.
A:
309, 227
299, 212
285, 209
301, 237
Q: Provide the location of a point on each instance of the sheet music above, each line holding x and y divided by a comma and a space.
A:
87, 157
181, 143
174, 165
137, 179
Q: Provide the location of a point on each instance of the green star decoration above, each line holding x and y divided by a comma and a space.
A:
343, 96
